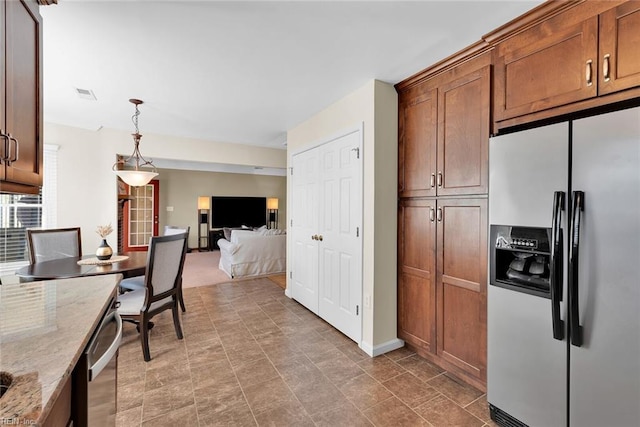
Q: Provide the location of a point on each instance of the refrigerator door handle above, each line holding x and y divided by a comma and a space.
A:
574, 253
556, 265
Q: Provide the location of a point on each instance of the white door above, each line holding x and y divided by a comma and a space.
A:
326, 231
304, 185
340, 284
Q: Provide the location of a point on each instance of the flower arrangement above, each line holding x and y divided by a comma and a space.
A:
104, 230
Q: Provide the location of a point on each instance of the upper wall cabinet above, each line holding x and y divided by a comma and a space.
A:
584, 52
443, 134
20, 97
620, 48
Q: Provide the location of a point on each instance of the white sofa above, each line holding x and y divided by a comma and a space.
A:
253, 253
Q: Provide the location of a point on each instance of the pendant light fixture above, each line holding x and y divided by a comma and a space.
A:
133, 174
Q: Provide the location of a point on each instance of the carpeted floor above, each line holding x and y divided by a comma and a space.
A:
201, 269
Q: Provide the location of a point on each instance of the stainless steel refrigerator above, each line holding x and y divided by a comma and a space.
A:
564, 291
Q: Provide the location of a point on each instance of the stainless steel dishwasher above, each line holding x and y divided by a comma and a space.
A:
96, 377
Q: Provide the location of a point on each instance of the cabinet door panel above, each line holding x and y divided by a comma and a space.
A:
3, 94
417, 147
462, 284
416, 281
463, 134
619, 48
545, 67
23, 107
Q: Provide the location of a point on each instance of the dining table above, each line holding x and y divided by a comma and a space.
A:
129, 264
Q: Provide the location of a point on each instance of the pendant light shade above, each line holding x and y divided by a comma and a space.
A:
135, 170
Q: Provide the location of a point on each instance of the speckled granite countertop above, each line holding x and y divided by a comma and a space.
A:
44, 328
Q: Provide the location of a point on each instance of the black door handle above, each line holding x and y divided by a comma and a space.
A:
555, 278
574, 313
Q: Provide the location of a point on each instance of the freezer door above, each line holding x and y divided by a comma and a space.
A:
525, 169
527, 372
605, 370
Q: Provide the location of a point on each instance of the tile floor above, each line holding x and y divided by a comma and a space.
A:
252, 356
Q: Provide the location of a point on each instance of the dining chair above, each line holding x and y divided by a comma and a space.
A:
137, 282
53, 243
161, 291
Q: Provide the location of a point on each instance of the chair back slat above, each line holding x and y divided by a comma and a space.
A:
46, 245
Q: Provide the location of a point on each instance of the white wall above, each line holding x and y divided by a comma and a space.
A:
87, 189
374, 105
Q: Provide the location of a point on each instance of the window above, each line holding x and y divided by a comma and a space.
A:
21, 211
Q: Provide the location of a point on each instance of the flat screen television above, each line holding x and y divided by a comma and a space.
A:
238, 211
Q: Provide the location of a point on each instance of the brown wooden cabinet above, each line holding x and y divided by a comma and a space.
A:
444, 123
462, 285
417, 146
442, 282
619, 48
443, 136
21, 147
463, 134
568, 60
417, 273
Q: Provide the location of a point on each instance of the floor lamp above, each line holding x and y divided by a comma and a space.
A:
203, 223
272, 210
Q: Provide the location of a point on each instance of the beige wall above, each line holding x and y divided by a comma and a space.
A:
375, 106
180, 189
87, 187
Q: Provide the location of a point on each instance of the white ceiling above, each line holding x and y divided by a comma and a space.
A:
239, 71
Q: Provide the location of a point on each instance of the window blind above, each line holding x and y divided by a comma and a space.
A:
21, 211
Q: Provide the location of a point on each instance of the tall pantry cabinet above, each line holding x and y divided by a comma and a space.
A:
444, 123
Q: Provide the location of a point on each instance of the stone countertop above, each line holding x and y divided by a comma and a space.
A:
44, 328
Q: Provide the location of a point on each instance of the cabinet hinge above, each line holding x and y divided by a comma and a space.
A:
357, 310
291, 170
357, 150
357, 231
291, 275
291, 223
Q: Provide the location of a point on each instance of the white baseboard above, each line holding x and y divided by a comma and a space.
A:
379, 349
287, 293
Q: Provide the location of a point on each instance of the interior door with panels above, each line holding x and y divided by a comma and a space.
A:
619, 48
462, 284
463, 134
304, 228
417, 273
340, 209
417, 144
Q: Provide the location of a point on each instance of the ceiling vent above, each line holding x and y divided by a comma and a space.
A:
86, 94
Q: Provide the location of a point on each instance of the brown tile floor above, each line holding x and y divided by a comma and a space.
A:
252, 356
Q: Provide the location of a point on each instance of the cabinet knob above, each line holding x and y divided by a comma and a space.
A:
605, 68
320, 237
314, 237
588, 73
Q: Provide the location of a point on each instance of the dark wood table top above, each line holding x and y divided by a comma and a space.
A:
65, 268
